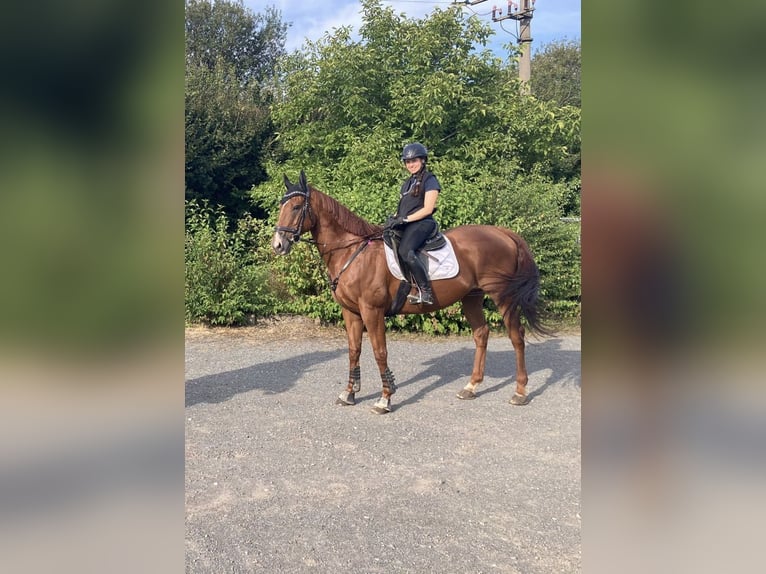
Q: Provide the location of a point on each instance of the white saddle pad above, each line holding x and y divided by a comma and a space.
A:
442, 263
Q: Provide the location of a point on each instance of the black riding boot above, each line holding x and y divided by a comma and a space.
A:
421, 278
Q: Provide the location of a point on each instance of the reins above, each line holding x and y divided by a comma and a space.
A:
362, 247
365, 241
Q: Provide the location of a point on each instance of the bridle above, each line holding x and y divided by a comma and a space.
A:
305, 210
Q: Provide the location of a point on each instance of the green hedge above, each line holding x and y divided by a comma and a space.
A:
233, 277
226, 281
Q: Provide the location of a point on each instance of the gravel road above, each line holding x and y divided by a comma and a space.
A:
280, 479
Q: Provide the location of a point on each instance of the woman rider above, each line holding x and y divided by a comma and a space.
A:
414, 215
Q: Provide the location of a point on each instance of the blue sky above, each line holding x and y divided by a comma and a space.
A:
553, 19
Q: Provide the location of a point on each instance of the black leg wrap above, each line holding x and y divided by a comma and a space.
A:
355, 378
388, 381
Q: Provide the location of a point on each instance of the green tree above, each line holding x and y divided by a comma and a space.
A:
226, 30
556, 73
231, 54
419, 79
556, 80
351, 104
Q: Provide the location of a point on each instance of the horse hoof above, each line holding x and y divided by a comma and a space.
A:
382, 407
345, 399
465, 394
518, 399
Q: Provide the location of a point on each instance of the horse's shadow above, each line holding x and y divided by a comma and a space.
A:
456, 368
272, 378
276, 377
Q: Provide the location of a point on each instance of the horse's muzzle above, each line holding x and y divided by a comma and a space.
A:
281, 244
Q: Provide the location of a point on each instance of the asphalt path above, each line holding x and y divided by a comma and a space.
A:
280, 479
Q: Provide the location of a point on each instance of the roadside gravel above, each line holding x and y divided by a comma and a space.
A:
280, 479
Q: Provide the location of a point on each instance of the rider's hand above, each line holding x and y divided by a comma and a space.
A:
394, 221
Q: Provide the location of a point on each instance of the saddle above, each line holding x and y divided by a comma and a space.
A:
441, 264
435, 241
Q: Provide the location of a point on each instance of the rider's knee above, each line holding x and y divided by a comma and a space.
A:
410, 256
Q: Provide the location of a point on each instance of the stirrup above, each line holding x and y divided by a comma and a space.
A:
419, 299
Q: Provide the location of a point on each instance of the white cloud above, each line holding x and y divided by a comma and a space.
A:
316, 23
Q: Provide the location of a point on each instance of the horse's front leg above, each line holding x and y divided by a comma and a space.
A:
354, 327
374, 319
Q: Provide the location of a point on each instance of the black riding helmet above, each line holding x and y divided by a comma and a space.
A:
413, 150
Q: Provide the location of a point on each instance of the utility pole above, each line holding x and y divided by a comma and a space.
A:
522, 13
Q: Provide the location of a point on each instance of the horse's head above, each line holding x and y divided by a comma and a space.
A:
295, 215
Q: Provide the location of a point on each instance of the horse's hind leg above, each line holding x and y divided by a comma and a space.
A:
515, 329
474, 312
354, 328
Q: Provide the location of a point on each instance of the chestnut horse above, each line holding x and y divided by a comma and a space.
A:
492, 261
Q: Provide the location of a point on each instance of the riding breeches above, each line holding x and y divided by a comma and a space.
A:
414, 237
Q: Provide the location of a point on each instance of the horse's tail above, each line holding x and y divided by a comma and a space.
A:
521, 288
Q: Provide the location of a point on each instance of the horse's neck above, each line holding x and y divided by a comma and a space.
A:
331, 237
335, 243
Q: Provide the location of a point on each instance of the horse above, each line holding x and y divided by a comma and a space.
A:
492, 260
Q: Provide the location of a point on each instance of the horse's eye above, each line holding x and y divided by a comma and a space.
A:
296, 207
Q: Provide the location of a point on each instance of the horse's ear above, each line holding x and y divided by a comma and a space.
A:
302, 181
287, 181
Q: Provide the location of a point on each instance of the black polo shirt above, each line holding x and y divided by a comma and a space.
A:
408, 203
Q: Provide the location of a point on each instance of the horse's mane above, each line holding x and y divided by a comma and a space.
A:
347, 219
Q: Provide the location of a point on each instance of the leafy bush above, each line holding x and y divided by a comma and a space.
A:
532, 206
226, 283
